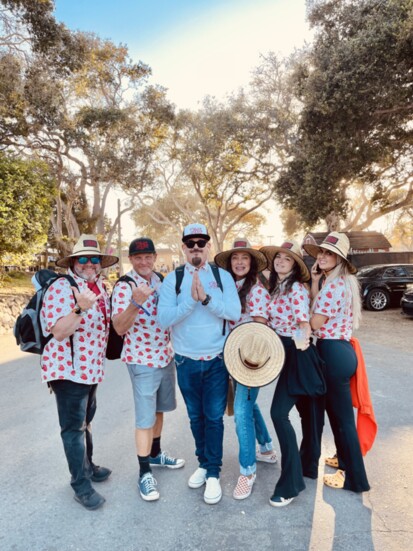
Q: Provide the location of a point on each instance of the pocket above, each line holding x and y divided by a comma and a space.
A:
179, 360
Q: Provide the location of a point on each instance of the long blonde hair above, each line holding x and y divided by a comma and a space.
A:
352, 287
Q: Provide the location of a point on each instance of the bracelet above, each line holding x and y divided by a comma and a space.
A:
133, 301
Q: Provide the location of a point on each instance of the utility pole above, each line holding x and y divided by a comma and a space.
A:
120, 241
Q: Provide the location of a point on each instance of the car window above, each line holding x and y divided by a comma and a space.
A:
409, 270
395, 271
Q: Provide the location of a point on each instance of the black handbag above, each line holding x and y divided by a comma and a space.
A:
306, 372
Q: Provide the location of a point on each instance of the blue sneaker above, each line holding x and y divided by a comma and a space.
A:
147, 487
163, 460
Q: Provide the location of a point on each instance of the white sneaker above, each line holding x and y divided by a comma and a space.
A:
213, 492
278, 501
266, 457
198, 478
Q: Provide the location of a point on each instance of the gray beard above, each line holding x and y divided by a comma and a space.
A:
196, 261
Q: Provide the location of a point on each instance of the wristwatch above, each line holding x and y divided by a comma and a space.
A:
77, 310
206, 300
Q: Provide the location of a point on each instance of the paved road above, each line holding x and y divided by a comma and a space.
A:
38, 513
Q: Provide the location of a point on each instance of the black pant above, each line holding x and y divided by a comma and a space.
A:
341, 364
76, 406
311, 412
291, 481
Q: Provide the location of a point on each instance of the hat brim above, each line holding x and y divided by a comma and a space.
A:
253, 377
271, 250
221, 259
313, 251
106, 259
196, 235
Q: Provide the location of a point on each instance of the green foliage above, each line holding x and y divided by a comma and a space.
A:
356, 88
26, 195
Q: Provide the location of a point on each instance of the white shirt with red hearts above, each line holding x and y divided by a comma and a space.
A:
86, 363
286, 311
334, 301
257, 302
145, 343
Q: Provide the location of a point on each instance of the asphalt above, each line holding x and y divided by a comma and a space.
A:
38, 512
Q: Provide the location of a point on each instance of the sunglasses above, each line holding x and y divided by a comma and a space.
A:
191, 244
85, 259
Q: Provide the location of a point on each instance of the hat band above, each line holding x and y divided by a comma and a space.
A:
252, 365
341, 253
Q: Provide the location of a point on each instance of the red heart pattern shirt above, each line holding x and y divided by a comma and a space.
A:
86, 363
257, 303
334, 301
146, 343
287, 311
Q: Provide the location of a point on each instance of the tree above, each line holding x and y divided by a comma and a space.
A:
356, 88
26, 194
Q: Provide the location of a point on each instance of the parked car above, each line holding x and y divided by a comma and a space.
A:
384, 284
407, 302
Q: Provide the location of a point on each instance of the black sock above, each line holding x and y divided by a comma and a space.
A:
144, 466
156, 446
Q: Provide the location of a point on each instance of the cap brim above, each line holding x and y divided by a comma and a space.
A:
196, 235
253, 377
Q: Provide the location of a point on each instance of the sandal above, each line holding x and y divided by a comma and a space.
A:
332, 461
335, 480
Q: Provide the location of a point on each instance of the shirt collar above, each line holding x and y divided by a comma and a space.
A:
191, 269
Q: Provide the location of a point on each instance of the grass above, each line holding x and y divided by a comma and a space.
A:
16, 283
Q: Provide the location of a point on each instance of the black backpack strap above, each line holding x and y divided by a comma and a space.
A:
179, 273
217, 276
161, 276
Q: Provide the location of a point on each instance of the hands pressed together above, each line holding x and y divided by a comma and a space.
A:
197, 290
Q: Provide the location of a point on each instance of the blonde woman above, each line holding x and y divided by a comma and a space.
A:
335, 313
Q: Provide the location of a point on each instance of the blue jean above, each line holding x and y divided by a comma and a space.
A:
204, 387
250, 425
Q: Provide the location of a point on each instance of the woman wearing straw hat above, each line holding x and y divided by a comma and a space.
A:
244, 263
335, 313
289, 316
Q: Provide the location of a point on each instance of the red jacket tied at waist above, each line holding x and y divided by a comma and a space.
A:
360, 395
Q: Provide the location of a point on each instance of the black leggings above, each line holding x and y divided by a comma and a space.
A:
341, 364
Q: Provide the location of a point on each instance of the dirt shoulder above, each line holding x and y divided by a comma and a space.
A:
389, 327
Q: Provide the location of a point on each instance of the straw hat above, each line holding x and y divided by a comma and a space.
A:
87, 246
241, 245
291, 248
253, 354
337, 243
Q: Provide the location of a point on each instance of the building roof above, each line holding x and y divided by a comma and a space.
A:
359, 240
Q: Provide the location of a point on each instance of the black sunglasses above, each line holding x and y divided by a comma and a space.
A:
191, 244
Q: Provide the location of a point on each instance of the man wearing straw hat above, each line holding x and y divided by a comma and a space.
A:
196, 316
73, 359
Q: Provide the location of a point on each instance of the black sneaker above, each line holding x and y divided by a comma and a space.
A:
90, 501
100, 473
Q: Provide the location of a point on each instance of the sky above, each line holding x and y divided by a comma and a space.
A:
195, 47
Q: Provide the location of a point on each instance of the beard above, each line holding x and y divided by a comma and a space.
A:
196, 261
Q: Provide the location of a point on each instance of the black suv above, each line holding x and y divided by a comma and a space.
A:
384, 284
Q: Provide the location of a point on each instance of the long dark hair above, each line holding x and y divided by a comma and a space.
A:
276, 287
250, 281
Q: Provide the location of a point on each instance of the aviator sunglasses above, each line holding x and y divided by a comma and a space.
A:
191, 244
85, 259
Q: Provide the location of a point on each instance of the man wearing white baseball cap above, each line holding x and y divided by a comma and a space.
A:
195, 312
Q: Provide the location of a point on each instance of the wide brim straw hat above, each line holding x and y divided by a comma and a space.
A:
253, 354
241, 245
291, 248
87, 245
335, 242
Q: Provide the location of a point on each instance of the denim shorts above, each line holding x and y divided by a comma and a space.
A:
153, 392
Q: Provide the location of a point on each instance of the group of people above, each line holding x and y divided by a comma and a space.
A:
183, 327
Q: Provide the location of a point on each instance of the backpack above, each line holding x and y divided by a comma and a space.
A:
115, 341
180, 270
27, 329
